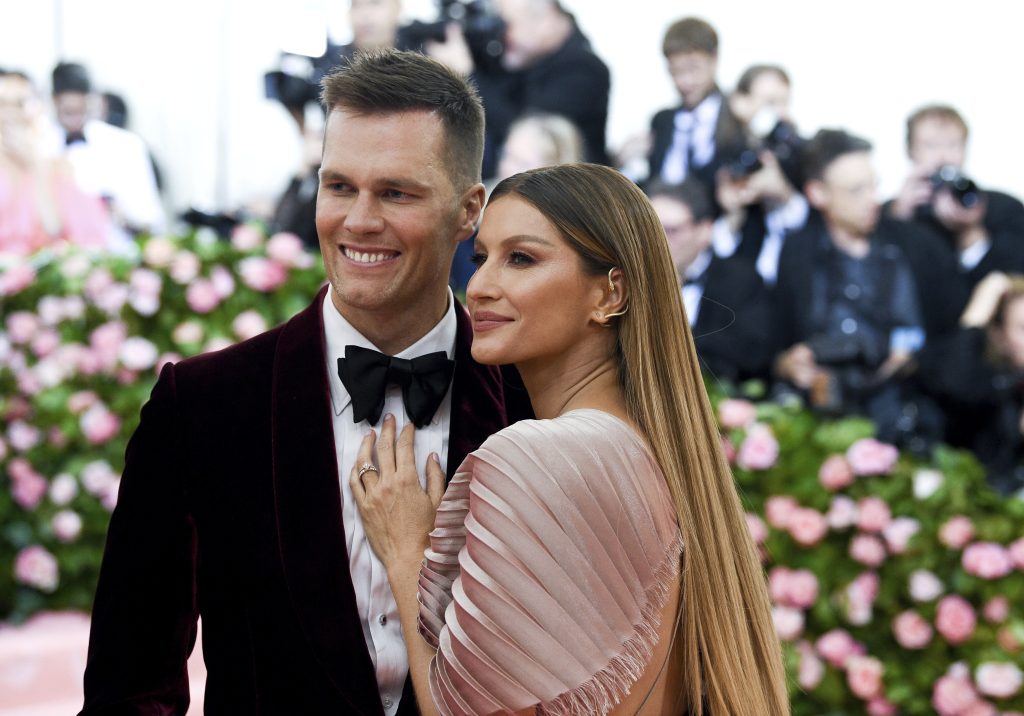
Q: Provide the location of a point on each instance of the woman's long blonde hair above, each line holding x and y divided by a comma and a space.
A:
732, 659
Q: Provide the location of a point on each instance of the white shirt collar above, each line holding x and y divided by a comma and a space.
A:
973, 254
700, 264
704, 113
339, 333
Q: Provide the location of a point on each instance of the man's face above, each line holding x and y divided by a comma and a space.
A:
693, 74
387, 214
847, 195
374, 22
525, 42
937, 142
18, 103
72, 110
686, 238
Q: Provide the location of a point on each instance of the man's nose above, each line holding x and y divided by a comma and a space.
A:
364, 216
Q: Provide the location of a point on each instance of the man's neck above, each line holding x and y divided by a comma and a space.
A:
394, 331
851, 243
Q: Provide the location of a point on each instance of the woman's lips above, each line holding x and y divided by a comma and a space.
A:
488, 320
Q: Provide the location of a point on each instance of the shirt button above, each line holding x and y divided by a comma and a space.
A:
387, 702
382, 619
848, 326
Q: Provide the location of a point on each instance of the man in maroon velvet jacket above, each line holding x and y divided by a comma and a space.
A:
232, 503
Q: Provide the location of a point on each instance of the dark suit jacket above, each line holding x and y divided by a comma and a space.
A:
230, 508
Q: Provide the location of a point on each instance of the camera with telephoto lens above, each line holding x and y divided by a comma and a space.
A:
848, 365
483, 29
296, 82
744, 164
961, 187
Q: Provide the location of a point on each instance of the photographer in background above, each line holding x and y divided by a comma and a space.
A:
984, 229
847, 312
545, 64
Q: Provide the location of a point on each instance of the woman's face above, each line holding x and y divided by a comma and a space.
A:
529, 298
1011, 333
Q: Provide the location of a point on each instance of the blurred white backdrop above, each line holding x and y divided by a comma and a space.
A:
192, 73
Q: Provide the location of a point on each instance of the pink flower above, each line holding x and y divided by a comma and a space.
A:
728, 449
779, 510
801, 588
842, 513
98, 282
28, 491
952, 695
873, 514
836, 646
99, 425
835, 473
734, 414
924, 586
248, 324
45, 342
145, 281
188, 332
22, 326
36, 568
262, 274
98, 478
184, 267
811, 670
22, 436
223, 281
871, 457
67, 525
137, 353
1016, 551
867, 549
987, 560
956, 532
217, 343
789, 622
864, 676
158, 252
981, 708
996, 610
955, 619
860, 598
898, 533
202, 296
998, 679
807, 526
286, 249
106, 343
246, 237
881, 706
80, 401
758, 529
759, 449
911, 630
63, 489
51, 310
164, 359
16, 278
1008, 639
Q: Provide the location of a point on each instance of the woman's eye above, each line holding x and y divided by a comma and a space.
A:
478, 259
518, 258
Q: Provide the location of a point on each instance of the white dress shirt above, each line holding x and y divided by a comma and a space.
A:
694, 137
378, 612
778, 222
694, 292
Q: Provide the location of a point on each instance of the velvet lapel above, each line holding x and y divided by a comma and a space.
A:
308, 503
478, 400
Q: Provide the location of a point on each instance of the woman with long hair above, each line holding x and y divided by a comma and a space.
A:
597, 559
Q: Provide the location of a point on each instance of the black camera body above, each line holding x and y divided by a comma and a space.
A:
297, 81
848, 366
960, 186
483, 29
744, 164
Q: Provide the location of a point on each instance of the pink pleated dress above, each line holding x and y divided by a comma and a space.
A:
553, 554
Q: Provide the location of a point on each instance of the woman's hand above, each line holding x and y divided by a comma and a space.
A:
397, 513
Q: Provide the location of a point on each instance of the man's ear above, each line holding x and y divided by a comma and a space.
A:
817, 193
470, 210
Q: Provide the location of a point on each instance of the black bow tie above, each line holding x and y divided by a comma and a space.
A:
366, 374
74, 137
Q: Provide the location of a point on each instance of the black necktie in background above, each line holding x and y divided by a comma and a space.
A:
366, 374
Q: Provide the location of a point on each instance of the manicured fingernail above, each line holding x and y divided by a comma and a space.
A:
368, 433
435, 458
389, 416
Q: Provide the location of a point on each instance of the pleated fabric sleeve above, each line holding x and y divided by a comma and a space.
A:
554, 550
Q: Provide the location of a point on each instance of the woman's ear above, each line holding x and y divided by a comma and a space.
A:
614, 298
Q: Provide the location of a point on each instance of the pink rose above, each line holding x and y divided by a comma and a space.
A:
867, 549
159, 252
911, 630
248, 324
223, 281
1001, 680
67, 525
981, 708
779, 511
286, 249
953, 695
202, 296
98, 478
955, 619
881, 706
871, 457
37, 568
187, 333
924, 586
759, 449
1008, 640
789, 622
836, 646
145, 281
50, 310
802, 589
45, 342
137, 353
99, 425
74, 308
97, 283
898, 533
1016, 551
996, 610
807, 526
811, 670
112, 300
262, 274
860, 598
106, 341
63, 489
758, 529
835, 473
184, 267
873, 514
22, 326
778, 584
842, 513
22, 436
956, 532
29, 489
16, 278
246, 237
217, 343
734, 414
987, 560
864, 676
80, 401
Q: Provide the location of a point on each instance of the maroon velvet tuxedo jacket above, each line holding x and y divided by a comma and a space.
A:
230, 507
